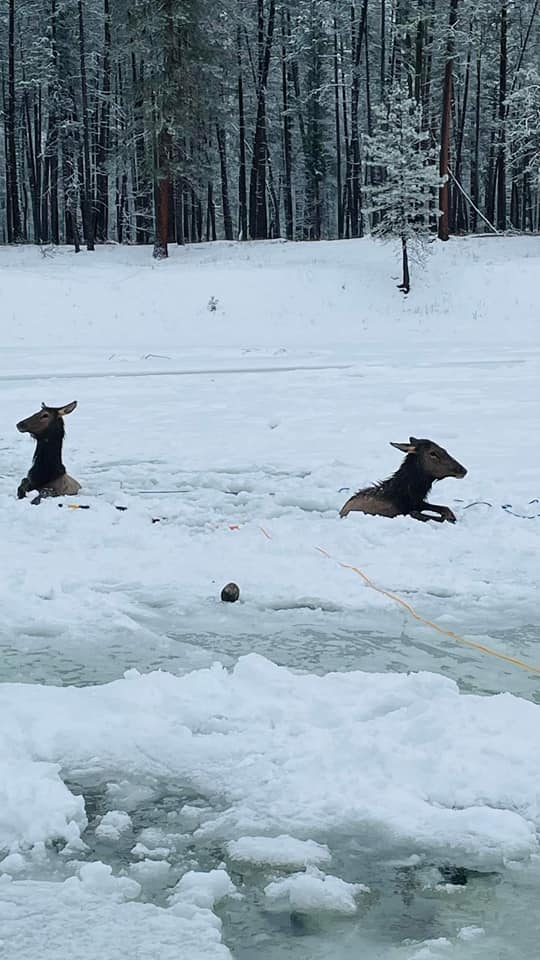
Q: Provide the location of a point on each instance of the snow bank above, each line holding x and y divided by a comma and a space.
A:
276, 295
313, 892
34, 802
202, 890
88, 917
435, 949
266, 413
280, 851
407, 757
113, 824
457, 361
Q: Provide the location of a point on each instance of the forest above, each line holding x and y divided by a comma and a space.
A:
175, 121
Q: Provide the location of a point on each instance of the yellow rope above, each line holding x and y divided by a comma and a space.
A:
417, 616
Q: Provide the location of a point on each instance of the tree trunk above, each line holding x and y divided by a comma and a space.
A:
500, 170
103, 144
383, 51
258, 214
444, 162
210, 214
141, 183
405, 285
225, 198
163, 191
459, 214
419, 53
357, 36
33, 159
242, 183
86, 183
339, 173
12, 180
287, 135
475, 164
348, 162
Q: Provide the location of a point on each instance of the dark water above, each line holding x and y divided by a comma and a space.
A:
404, 909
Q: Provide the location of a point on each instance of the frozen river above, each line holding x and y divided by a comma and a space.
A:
309, 773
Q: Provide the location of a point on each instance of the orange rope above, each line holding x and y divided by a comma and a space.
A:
417, 616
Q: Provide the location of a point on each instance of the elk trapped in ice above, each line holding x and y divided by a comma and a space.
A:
47, 474
405, 491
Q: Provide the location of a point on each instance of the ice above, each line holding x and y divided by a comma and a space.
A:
243, 430
282, 851
113, 824
471, 933
203, 889
13, 864
409, 755
98, 877
157, 853
432, 950
418, 366
313, 892
35, 804
196, 894
151, 872
83, 919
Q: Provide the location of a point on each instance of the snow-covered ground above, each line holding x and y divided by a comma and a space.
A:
297, 714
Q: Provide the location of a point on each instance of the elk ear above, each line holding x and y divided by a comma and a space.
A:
404, 447
69, 408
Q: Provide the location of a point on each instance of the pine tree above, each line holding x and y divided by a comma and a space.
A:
404, 204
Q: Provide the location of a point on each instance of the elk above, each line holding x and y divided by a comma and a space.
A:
47, 474
404, 493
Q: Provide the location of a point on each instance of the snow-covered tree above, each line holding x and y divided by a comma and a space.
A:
190, 119
404, 190
523, 108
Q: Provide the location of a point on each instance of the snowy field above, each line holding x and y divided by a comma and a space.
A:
310, 772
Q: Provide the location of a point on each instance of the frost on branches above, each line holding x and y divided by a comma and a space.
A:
403, 193
523, 130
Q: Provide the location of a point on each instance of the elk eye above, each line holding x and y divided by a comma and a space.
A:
435, 456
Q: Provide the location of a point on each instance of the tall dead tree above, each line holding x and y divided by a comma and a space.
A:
14, 231
500, 163
225, 197
287, 127
446, 124
87, 206
163, 109
258, 212
358, 27
103, 144
242, 177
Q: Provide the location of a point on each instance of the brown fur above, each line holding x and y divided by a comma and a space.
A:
405, 491
367, 502
47, 474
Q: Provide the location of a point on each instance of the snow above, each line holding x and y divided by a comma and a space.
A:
471, 933
147, 853
432, 949
83, 919
313, 892
151, 872
314, 709
407, 754
113, 824
34, 802
202, 890
281, 851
